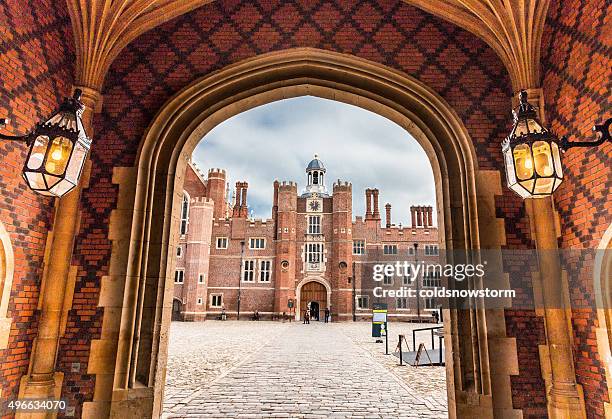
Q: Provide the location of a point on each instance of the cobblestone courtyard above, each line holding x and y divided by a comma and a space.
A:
273, 369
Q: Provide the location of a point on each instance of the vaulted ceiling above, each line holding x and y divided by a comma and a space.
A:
513, 28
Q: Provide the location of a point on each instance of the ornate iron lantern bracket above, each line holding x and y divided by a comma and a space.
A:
604, 135
27, 138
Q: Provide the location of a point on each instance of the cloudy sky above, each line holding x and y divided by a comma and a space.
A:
276, 141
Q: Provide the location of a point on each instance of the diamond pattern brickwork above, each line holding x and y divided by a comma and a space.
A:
577, 80
36, 72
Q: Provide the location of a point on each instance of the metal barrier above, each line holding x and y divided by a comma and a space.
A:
433, 346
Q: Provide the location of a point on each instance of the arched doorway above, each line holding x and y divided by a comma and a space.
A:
176, 310
313, 296
138, 343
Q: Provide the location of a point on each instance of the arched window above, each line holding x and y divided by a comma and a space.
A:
184, 213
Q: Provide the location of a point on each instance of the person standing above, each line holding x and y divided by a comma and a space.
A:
307, 316
326, 314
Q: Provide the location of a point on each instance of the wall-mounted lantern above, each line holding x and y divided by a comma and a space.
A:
532, 153
58, 149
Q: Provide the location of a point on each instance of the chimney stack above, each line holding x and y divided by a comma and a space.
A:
240, 206
243, 201
376, 212
388, 214
368, 195
413, 216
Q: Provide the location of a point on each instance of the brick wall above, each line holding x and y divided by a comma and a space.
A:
577, 59
36, 68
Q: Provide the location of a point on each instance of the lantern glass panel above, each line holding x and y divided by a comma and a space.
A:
35, 180
534, 127
58, 156
62, 188
37, 155
528, 184
511, 175
76, 163
521, 128
544, 186
523, 162
557, 160
543, 159
51, 180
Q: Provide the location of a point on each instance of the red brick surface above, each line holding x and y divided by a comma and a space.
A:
577, 77
36, 72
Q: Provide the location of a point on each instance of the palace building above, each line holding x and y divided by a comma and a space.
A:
305, 255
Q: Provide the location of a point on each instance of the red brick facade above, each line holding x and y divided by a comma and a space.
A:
36, 72
311, 237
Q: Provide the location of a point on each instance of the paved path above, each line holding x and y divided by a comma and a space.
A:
306, 371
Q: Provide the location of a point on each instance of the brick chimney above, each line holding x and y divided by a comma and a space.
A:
368, 195
413, 216
240, 206
244, 208
376, 212
388, 214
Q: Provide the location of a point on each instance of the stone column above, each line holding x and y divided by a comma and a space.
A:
565, 398
42, 380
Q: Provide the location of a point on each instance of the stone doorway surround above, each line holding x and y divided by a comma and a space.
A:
129, 359
298, 293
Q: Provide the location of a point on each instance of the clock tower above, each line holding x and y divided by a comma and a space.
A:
315, 172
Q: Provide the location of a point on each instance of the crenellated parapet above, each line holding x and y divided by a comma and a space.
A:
342, 186
287, 186
201, 201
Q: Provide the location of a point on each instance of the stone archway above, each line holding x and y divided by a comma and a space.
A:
299, 304
129, 359
603, 295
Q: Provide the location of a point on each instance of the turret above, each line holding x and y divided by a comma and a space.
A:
286, 226
215, 190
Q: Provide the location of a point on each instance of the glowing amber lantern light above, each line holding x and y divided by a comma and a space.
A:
58, 149
531, 154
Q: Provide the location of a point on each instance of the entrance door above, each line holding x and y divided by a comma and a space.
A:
176, 310
314, 310
315, 294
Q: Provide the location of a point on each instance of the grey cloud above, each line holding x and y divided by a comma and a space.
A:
276, 141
